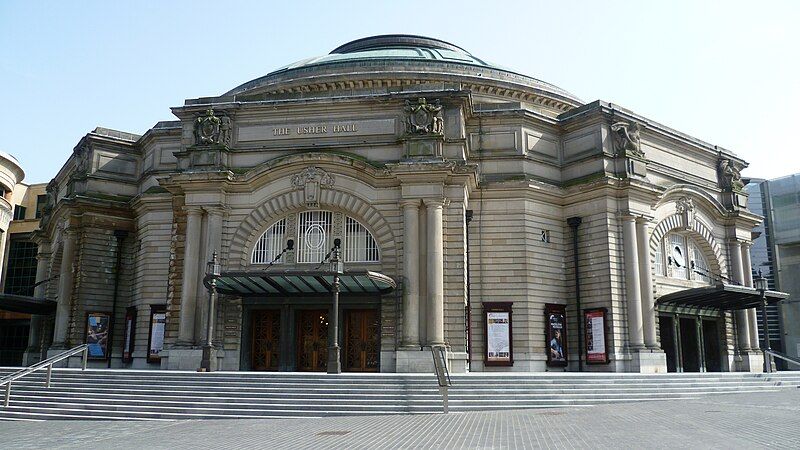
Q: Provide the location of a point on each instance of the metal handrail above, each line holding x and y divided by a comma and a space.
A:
7, 380
782, 356
439, 354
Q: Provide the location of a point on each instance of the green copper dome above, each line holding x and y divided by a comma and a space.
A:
397, 53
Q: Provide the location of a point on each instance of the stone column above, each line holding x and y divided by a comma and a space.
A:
213, 242
435, 273
632, 282
752, 318
33, 353
737, 275
191, 261
646, 283
411, 273
65, 285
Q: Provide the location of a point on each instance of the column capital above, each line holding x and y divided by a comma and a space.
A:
216, 210
435, 202
193, 210
410, 202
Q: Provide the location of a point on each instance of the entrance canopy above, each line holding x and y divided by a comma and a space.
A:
25, 304
260, 283
720, 296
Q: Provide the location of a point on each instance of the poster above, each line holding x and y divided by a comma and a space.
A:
498, 346
128, 337
97, 325
595, 323
158, 321
556, 335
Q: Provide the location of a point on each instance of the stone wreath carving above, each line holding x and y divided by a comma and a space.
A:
211, 129
423, 117
730, 180
310, 180
627, 139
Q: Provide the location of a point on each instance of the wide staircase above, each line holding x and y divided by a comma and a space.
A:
170, 395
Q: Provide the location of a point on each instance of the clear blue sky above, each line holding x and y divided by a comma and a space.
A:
725, 72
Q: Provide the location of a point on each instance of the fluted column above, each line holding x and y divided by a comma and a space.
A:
411, 272
737, 275
191, 255
752, 318
65, 285
435, 272
646, 284
632, 282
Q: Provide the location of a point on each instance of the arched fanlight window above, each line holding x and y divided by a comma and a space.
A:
315, 232
270, 243
359, 245
679, 256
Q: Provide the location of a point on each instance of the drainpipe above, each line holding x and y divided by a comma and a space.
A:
573, 223
120, 235
467, 219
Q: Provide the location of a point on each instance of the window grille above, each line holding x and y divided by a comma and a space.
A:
270, 243
658, 260
313, 234
678, 256
359, 245
700, 264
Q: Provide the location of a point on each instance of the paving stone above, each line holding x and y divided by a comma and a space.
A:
723, 421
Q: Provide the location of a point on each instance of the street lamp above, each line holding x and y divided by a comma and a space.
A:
760, 283
212, 273
337, 268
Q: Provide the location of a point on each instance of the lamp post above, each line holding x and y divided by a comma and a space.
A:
760, 284
212, 272
337, 268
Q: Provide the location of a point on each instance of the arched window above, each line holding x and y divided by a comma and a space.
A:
315, 232
359, 245
270, 244
679, 256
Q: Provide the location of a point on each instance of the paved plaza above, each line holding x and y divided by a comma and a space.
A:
724, 421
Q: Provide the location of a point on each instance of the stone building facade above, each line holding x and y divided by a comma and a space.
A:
464, 183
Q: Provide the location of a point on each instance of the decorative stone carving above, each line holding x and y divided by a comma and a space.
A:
424, 118
52, 196
310, 180
730, 180
627, 139
211, 129
684, 207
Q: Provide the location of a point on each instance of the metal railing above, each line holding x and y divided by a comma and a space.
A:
439, 353
774, 354
7, 380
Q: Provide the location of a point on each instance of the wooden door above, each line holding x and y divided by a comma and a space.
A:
362, 340
266, 326
312, 340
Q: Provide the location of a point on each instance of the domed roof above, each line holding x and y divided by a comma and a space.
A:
398, 53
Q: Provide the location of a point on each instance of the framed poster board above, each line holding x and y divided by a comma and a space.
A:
555, 325
595, 333
129, 336
97, 324
498, 342
155, 343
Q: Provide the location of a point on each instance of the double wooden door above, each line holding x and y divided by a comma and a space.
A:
312, 340
266, 326
361, 341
